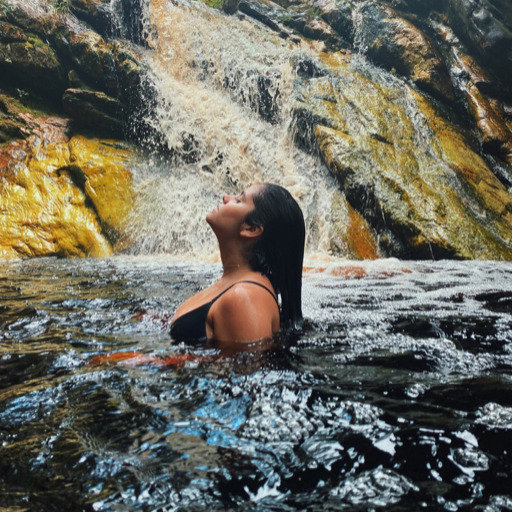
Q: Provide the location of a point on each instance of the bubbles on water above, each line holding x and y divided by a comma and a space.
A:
373, 408
499, 504
416, 390
494, 415
279, 417
376, 488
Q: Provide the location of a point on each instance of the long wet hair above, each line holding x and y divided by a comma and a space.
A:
279, 252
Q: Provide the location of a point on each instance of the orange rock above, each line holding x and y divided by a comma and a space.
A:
361, 239
46, 193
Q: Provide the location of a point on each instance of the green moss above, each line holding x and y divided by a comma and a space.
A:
61, 5
36, 41
4, 8
24, 101
215, 4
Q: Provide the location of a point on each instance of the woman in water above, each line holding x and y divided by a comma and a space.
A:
261, 240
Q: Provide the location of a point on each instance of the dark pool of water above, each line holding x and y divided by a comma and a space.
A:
397, 396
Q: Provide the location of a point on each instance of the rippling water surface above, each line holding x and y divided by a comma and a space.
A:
397, 395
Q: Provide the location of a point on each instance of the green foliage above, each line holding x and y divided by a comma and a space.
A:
4, 8
62, 5
22, 93
216, 4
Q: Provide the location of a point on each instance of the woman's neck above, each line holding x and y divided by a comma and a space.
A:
229, 269
232, 258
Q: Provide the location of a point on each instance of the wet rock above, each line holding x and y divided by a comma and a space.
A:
112, 19
11, 34
338, 14
314, 28
230, 6
88, 52
307, 21
63, 198
96, 110
29, 62
397, 44
415, 181
418, 7
129, 68
37, 18
486, 26
477, 87
350, 233
95, 12
16, 120
490, 119
107, 180
264, 14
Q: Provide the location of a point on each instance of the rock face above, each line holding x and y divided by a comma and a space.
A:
486, 25
409, 105
95, 110
61, 193
26, 60
51, 55
64, 198
398, 44
418, 183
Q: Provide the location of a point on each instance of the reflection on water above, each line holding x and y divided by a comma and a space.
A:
397, 395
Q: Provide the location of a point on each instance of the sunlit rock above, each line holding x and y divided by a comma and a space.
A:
63, 198
107, 180
350, 234
415, 180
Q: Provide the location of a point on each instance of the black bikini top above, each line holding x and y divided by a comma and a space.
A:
192, 325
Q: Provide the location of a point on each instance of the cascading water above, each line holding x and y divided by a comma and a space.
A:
227, 91
209, 71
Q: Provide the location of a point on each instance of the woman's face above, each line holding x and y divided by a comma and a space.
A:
227, 218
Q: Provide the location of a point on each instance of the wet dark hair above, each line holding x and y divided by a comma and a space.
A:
279, 251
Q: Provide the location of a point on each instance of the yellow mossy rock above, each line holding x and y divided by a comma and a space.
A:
108, 181
65, 199
411, 174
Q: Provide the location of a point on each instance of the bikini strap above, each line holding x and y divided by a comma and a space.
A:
246, 281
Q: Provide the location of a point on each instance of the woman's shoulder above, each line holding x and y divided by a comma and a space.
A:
253, 285
247, 311
247, 297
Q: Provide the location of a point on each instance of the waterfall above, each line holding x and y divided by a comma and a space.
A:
413, 134
223, 134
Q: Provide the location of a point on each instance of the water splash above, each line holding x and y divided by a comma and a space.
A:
224, 97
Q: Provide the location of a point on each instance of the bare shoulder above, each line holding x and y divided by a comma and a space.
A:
247, 296
246, 312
